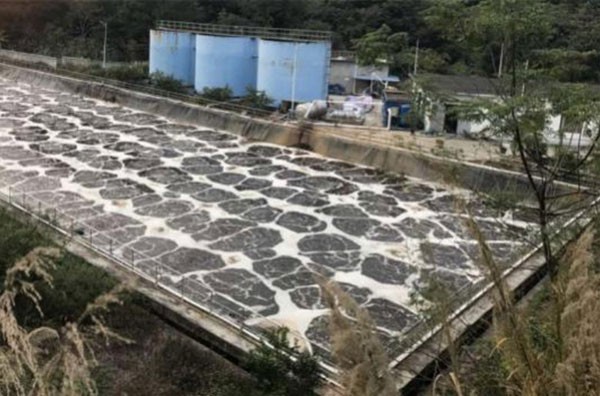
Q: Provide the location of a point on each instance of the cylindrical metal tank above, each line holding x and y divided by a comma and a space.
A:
226, 61
173, 53
293, 71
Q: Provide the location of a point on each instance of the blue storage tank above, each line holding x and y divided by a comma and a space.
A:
293, 71
173, 53
222, 61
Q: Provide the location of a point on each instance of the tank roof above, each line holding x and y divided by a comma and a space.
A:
253, 31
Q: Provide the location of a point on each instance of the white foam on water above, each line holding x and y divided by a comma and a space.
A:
408, 251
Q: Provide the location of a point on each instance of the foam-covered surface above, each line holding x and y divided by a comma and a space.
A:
252, 223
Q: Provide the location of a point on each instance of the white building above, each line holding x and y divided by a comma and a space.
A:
346, 73
444, 92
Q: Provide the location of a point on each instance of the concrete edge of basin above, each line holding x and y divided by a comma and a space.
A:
322, 141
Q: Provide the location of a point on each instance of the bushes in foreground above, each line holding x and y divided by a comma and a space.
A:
549, 347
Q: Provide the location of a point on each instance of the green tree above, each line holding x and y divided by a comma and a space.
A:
378, 47
527, 100
281, 369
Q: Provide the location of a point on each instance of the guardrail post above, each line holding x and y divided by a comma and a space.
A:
39, 207
71, 228
182, 287
10, 194
156, 274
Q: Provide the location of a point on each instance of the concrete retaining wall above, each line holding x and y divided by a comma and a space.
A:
172, 109
348, 146
29, 58
87, 62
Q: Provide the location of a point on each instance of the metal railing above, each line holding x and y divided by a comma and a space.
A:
252, 31
197, 294
186, 288
467, 297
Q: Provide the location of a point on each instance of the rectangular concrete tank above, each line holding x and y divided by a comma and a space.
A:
226, 61
293, 71
174, 54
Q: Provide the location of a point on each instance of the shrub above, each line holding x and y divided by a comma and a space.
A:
75, 285
256, 99
221, 94
48, 360
277, 373
16, 239
166, 83
134, 73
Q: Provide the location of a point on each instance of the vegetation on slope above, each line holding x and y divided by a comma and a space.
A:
75, 28
549, 346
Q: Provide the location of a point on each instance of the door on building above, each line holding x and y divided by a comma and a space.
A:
450, 120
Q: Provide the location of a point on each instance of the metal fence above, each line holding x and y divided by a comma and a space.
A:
228, 30
467, 297
187, 288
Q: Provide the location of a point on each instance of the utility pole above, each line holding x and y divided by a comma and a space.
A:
104, 47
355, 76
416, 69
524, 80
501, 65
294, 76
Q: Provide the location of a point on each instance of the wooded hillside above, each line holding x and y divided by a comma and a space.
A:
74, 28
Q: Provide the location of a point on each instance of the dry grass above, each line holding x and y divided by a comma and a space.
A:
527, 374
550, 348
356, 347
579, 371
46, 361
